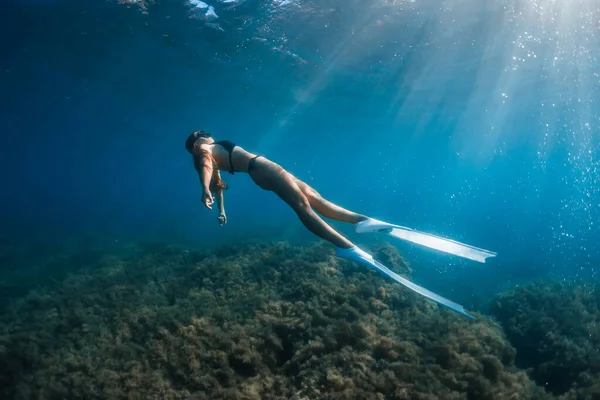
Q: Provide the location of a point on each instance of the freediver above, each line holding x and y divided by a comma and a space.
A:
210, 157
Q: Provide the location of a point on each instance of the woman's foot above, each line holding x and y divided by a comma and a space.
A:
367, 225
353, 253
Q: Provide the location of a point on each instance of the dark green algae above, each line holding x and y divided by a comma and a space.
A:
260, 321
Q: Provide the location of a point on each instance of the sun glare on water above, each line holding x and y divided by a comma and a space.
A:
505, 74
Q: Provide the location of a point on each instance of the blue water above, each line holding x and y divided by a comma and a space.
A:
467, 119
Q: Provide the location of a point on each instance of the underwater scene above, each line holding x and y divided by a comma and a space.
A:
300, 199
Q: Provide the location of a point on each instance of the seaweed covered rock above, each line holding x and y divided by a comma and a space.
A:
248, 322
554, 328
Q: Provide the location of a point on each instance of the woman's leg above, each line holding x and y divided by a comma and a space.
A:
327, 208
271, 176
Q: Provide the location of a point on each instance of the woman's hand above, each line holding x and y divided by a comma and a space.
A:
222, 218
207, 199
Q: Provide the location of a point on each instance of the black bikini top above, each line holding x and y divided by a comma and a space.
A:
229, 146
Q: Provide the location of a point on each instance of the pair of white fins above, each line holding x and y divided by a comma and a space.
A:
423, 239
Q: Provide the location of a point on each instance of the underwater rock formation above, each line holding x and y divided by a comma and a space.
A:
554, 328
268, 321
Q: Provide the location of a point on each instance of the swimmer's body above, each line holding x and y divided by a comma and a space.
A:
211, 157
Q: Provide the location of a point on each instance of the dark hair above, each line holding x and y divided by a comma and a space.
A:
215, 180
194, 136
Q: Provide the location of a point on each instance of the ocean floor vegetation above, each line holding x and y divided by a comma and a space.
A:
275, 321
556, 332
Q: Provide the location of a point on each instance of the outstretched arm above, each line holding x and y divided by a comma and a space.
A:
204, 166
222, 218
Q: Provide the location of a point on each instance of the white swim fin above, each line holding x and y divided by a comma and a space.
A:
361, 256
424, 239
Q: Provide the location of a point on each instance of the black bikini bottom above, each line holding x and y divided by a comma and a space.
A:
252, 163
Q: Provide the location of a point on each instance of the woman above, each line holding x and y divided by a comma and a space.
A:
210, 157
